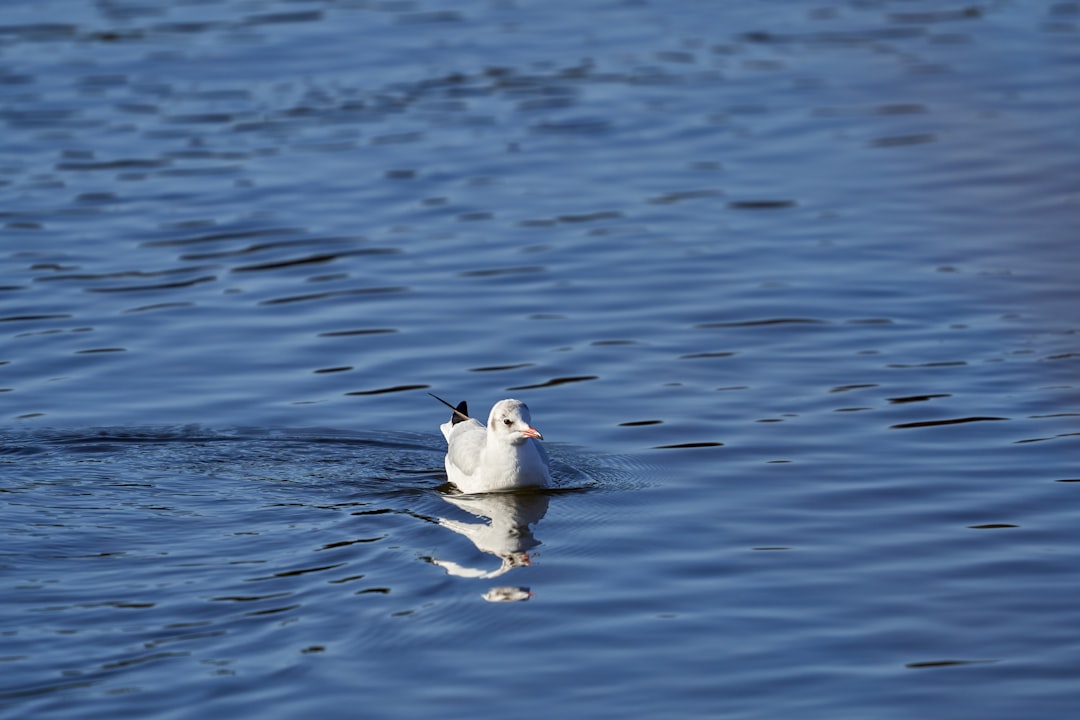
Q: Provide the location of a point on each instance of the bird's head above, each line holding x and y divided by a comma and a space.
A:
510, 419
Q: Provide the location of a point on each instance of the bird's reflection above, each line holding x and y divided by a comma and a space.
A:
506, 531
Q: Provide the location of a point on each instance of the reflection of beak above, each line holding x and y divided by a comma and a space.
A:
532, 432
507, 594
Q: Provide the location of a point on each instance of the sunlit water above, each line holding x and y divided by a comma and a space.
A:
790, 291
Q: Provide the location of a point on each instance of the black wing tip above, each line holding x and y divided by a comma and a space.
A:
461, 412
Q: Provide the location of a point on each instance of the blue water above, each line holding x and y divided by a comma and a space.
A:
790, 291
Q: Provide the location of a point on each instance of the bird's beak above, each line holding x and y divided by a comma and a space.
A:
532, 432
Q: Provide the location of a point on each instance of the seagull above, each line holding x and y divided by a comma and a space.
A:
504, 455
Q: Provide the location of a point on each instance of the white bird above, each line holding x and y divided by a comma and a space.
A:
504, 455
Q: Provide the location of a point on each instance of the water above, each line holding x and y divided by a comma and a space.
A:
790, 291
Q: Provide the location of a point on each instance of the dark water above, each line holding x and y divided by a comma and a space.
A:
789, 288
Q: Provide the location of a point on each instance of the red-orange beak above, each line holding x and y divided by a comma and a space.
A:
532, 432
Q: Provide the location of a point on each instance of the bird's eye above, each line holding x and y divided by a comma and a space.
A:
507, 422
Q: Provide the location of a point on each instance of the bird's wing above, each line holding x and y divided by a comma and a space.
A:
465, 445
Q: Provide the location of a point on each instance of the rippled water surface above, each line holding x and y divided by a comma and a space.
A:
790, 290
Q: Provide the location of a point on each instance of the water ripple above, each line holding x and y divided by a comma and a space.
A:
556, 381
777, 227
950, 421
307, 297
